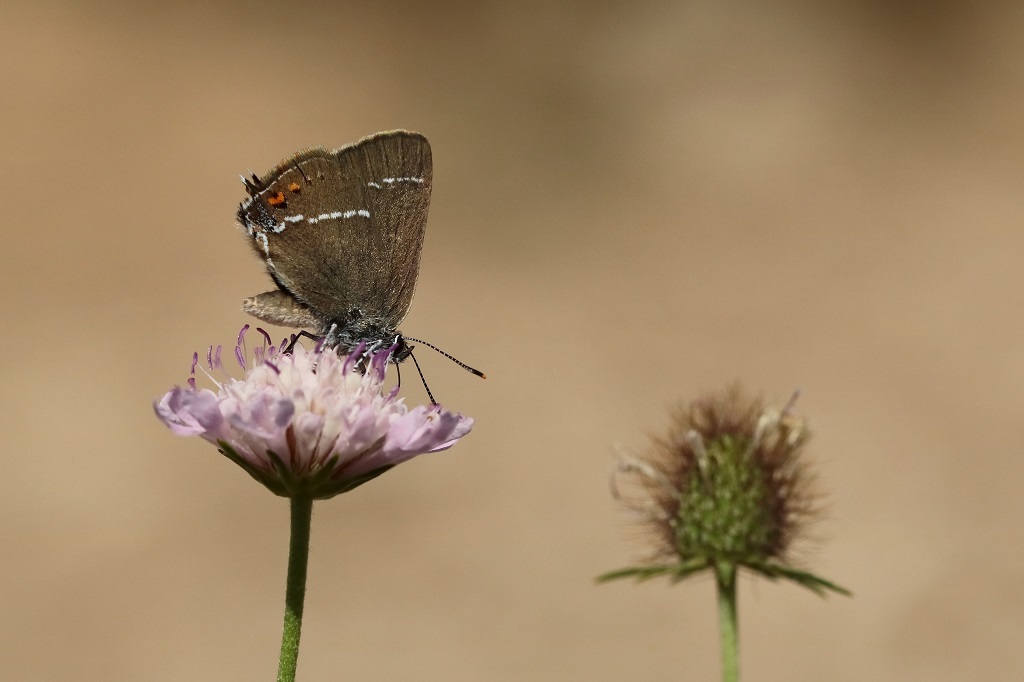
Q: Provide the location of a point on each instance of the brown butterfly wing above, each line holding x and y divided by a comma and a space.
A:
342, 231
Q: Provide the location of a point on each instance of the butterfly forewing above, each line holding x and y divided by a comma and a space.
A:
342, 231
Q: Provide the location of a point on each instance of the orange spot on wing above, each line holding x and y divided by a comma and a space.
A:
277, 200
295, 188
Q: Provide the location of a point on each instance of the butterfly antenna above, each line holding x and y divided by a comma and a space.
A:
422, 378
455, 360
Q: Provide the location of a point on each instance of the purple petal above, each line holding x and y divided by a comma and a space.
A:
189, 413
263, 416
464, 426
307, 428
424, 429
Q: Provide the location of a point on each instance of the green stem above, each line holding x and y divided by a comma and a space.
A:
295, 593
725, 579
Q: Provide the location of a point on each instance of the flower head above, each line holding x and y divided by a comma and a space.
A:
308, 423
727, 488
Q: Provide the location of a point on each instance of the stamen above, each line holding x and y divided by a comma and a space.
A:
266, 337
240, 349
241, 335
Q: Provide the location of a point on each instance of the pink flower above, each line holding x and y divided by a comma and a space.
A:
309, 423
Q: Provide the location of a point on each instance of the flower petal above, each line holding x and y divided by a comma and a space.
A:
189, 413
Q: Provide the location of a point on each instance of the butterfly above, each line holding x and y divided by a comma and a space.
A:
341, 233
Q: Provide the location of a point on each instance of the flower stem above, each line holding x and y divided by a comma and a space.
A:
295, 593
725, 580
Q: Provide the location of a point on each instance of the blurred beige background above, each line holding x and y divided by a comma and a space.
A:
632, 204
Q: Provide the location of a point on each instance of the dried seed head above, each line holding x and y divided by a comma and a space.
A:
726, 484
